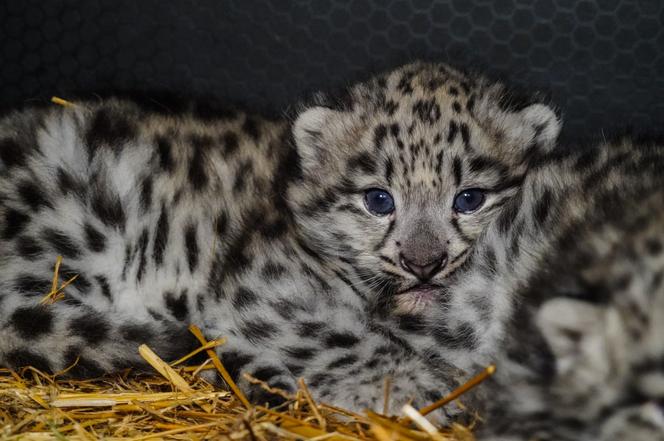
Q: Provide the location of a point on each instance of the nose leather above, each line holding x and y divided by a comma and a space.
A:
423, 271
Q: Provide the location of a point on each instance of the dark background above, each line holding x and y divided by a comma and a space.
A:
602, 62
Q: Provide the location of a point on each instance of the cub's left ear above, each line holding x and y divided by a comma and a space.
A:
543, 122
309, 131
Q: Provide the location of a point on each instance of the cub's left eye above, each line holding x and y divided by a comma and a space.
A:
378, 202
469, 200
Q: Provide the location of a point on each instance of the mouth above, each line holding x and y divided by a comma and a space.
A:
415, 299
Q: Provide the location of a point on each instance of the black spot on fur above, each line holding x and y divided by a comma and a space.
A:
32, 322
465, 134
33, 286
69, 184
177, 306
543, 207
250, 127
508, 215
81, 283
142, 249
301, 352
341, 340
267, 373
273, 270
343, 362
25, 357
308, 329
104, 286
234, 361
61, 243
411, 323
295, 369
11, 153
94, 240
456, 171
15, 223
84, 368
108, 129
244, 298
109, 210
242, 174
160, 237
490, 259
191, 245
257, 330
146, 194
653, 246
462, 337
456, 107
221, 224
389, 170
32, 195
92, 327
452, 132
483, 163
380, 132
137, 333
28, 248
390, 107
198, 177
428, 111
230, 143
164, 150
364, 162
285, 308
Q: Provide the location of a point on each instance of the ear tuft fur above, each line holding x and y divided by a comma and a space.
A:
308, 134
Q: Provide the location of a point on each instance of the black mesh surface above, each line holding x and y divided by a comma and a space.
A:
601, 61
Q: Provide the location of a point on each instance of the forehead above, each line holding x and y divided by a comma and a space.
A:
420, 124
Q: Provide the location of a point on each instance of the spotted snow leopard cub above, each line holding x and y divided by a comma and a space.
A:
319, 248
585, 353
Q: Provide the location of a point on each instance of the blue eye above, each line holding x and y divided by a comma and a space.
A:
469, 200
378, 202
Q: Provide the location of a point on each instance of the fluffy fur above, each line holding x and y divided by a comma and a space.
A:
583, 359
257, 231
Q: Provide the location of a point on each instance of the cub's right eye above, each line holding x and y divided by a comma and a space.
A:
378, 202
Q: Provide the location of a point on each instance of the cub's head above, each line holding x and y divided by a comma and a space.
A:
402, 175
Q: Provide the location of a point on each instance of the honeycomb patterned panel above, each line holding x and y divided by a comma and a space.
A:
601, 62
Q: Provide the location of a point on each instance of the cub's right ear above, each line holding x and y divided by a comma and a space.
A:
309, 132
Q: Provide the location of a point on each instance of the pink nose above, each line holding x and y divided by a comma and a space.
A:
424, 271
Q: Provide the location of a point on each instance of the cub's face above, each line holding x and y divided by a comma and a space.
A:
402, 178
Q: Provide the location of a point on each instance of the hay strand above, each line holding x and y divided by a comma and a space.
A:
456, 393
220, 367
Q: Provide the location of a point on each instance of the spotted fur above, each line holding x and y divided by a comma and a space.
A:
583, 360
257, 231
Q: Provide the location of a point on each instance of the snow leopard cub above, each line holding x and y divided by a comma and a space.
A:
585, 358
319, 248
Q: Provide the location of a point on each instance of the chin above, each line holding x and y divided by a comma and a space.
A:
417, 299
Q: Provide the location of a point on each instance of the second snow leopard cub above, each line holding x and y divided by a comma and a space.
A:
320, 248
585, 353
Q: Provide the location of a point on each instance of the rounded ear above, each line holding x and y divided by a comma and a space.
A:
544, 123
309, 134
523, 123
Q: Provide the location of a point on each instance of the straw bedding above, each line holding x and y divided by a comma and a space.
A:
175, 403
